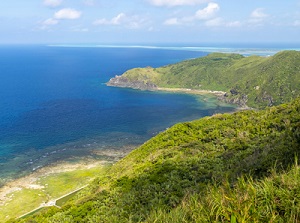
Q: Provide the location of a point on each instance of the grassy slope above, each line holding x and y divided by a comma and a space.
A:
54, 186
264, 80
273, 199
178, 165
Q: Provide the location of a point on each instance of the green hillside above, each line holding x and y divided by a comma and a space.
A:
231, 167
254, 81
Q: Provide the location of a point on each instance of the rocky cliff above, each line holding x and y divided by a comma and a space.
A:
120, 81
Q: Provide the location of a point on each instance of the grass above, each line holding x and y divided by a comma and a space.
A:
272, 199
55, 185
22, 202
216, 169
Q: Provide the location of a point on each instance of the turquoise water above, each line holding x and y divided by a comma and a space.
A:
55, 104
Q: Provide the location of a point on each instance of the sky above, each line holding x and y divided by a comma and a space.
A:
149, 21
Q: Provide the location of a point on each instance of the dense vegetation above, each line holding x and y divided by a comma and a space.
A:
254, 81
233, 167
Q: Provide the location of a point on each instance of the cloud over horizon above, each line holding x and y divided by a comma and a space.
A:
168, 20
67, 13
257, 17
63, 14
128, 21
258, 13
117, 20
171, 3
52, 3
208, 12
50, 21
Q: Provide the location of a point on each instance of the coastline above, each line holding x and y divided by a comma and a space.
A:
26, 194
124, 82
50, 183
31, 181
191, 91
11, 190
218, 94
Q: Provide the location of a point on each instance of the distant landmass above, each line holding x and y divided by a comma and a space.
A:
252, 81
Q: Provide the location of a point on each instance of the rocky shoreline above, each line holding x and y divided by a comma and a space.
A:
120, 81
230, 98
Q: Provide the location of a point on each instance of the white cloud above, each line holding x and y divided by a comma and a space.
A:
60, 15
176, 2
131, 22
234, 24
45, 25
172, 21
114, 21
257, 17
52, 3
118, 19
258, 14
208, 12
214, 22
67, 13
49, 22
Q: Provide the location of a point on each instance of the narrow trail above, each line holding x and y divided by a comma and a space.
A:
52, 203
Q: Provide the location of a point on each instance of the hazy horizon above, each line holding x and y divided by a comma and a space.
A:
149, 21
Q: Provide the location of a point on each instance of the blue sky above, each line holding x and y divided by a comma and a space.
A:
149, 21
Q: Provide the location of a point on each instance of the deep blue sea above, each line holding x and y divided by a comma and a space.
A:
54, 104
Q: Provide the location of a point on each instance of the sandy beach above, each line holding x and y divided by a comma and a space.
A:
202, 92
192, 91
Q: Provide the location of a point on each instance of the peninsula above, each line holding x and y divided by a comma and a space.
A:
252, 81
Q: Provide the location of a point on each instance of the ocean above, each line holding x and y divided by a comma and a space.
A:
55, 105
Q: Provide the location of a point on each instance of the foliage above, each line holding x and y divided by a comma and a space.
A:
258, 81
273, 199
188, 164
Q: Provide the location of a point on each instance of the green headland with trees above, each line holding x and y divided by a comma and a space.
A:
254, 81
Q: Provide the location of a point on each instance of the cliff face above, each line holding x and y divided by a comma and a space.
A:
120, 81
240, 99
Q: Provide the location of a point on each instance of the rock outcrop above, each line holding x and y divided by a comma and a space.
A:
120, 81
235, 98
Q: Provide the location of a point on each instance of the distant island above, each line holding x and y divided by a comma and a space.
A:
252, 81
